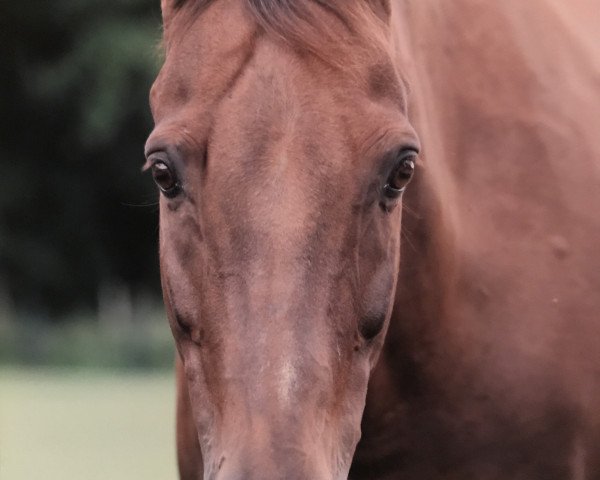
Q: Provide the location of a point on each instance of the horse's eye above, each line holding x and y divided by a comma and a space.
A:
165, 178
402, 174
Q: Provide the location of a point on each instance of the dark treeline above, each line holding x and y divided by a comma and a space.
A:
75, 211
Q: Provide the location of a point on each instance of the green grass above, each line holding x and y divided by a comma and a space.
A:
86, 425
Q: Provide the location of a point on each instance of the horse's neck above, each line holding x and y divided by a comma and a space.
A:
501, 92
482, 71
506, 116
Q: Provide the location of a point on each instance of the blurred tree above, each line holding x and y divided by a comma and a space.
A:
74, 82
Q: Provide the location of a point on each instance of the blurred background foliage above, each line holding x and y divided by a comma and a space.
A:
86, 354
78, 220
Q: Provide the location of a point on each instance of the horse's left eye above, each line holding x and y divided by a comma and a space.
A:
401, 175
165, 178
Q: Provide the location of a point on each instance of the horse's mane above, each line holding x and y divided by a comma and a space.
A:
300, 22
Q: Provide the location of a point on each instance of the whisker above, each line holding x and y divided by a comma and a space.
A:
140, 205
410, 211
405, 235
150, 201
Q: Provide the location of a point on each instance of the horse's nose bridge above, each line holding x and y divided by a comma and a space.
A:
278, 372
266, 452
290, 369
277, 353
290, 474
254, 465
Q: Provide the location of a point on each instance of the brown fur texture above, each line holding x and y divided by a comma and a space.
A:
280, 257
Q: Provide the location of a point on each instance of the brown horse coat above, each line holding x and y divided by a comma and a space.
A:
491, 362
491, 367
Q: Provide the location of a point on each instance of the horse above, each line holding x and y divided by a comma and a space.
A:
334, 174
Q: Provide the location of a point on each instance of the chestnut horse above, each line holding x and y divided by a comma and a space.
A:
292, 138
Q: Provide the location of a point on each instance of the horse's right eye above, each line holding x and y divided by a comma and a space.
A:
165, 178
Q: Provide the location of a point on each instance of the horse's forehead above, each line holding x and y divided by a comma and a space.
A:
202, 44
223, 68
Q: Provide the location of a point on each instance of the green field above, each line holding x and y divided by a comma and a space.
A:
86, 425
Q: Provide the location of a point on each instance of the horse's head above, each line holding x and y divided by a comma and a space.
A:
282, 149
